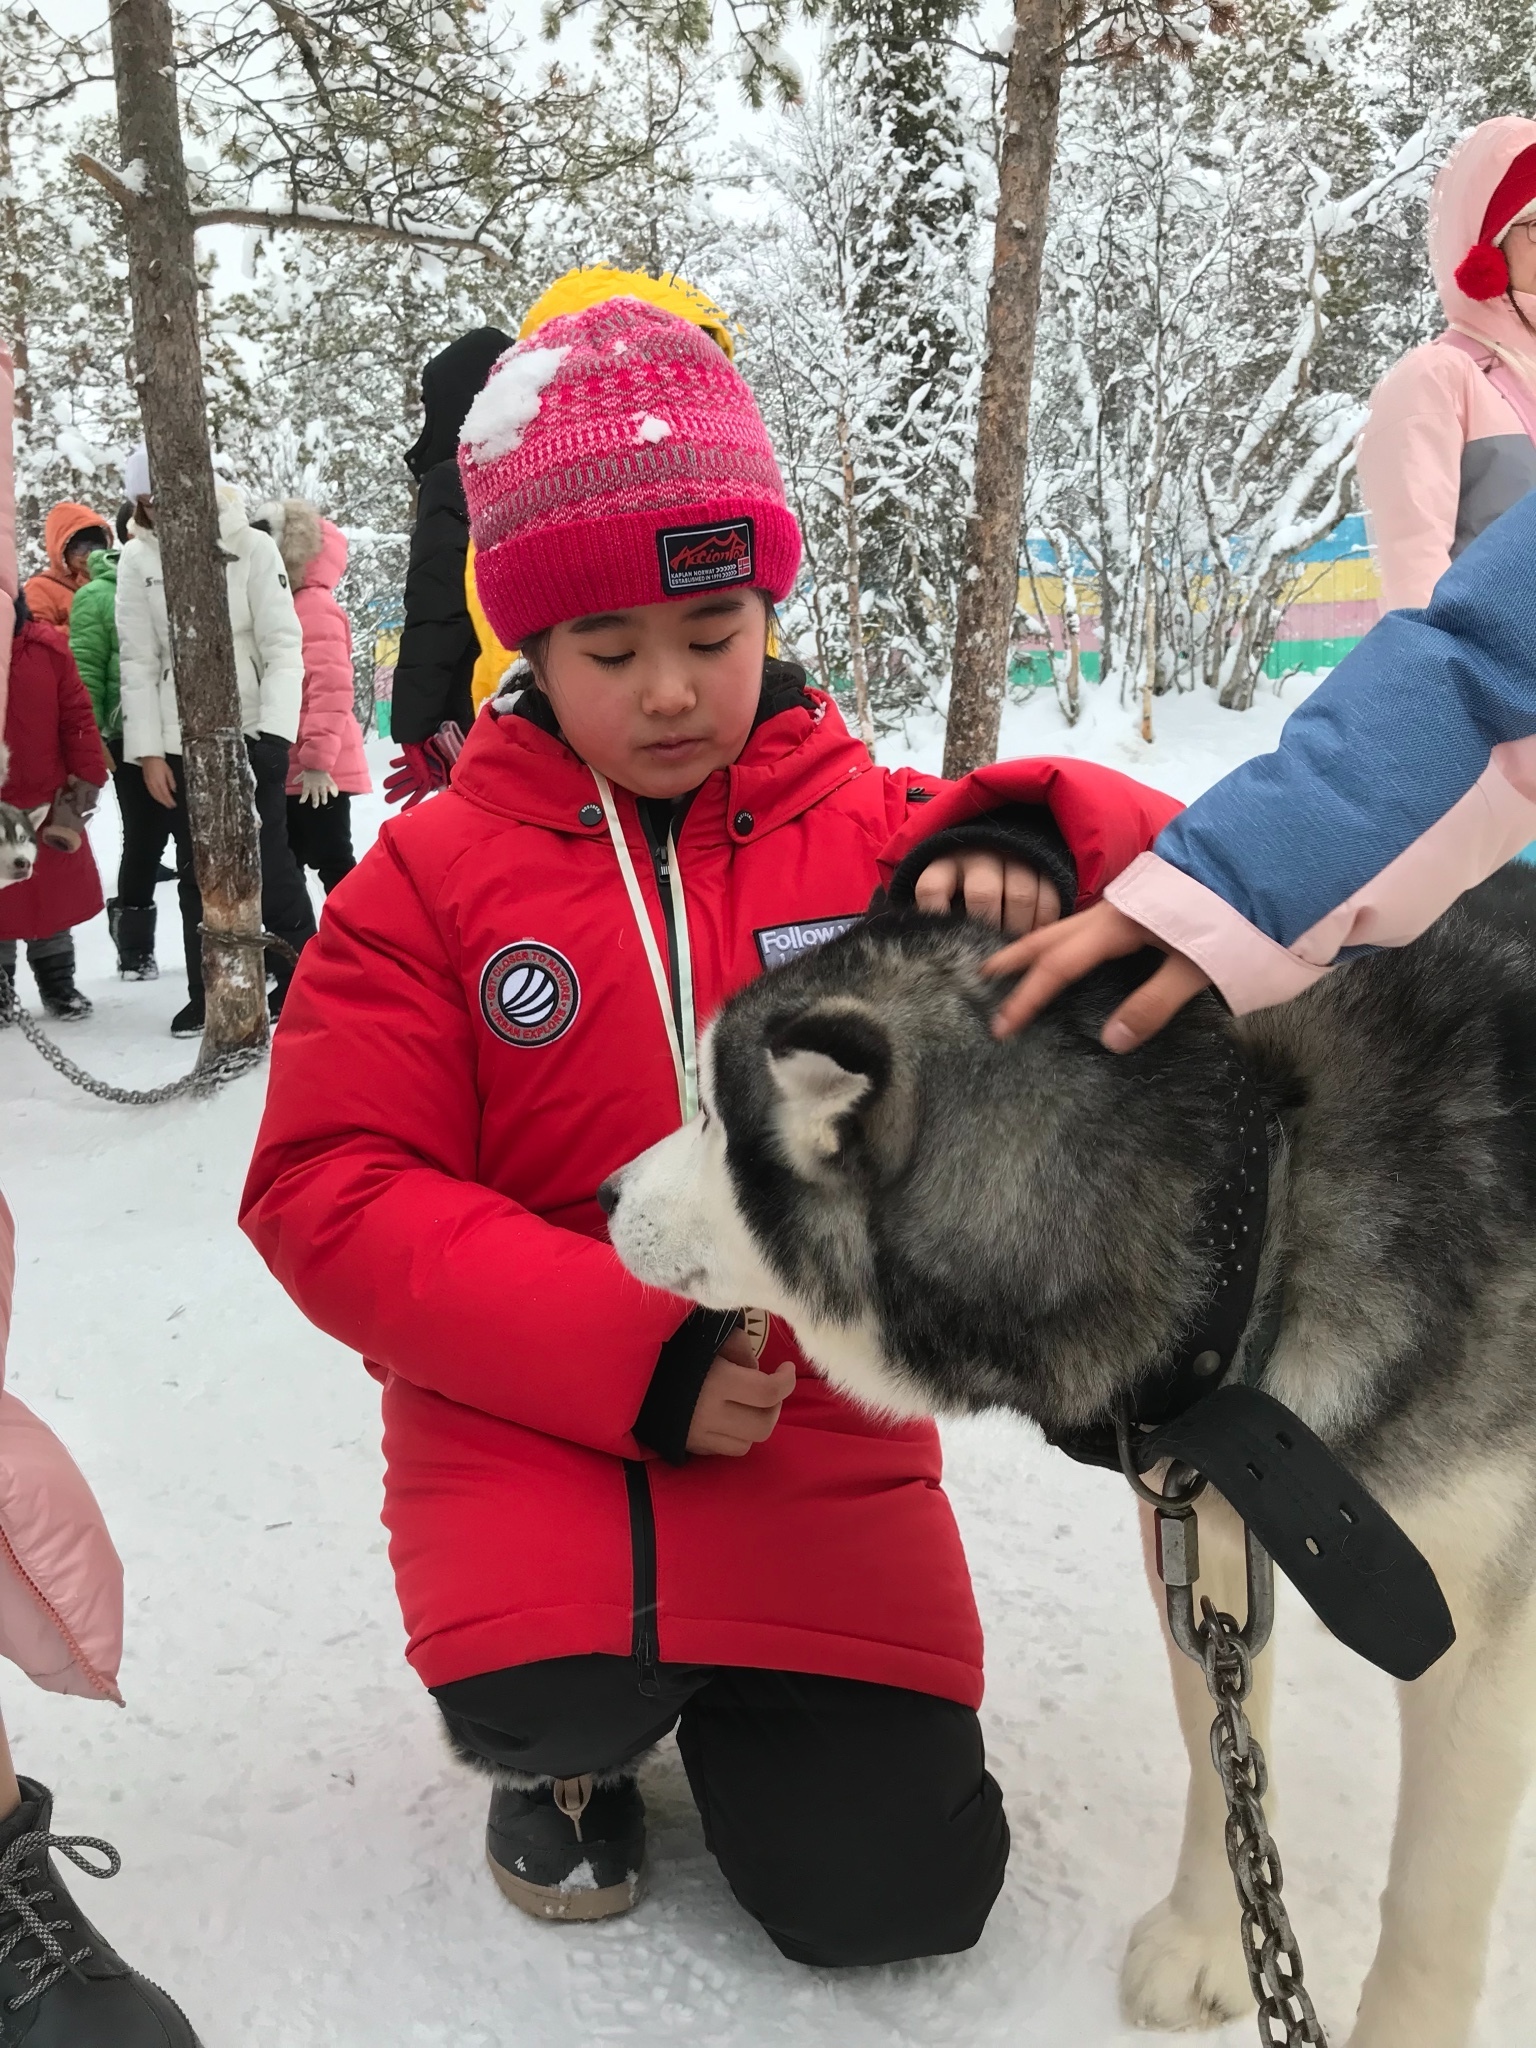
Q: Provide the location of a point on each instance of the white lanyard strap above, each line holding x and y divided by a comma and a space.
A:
685, 1058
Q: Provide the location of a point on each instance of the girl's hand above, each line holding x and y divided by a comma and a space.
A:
1007, 893
738, 1406
1053, 960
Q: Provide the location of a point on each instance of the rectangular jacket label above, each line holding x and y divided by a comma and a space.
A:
778, 944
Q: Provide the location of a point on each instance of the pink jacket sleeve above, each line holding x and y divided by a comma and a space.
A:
1409, 465
61, 1582
327, 708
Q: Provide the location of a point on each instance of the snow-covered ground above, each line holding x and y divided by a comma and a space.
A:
303, 1863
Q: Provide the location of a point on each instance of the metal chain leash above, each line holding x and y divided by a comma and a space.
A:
1286, 2015
1225, 1653
204, 1078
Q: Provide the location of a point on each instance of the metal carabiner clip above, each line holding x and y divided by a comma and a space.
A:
1177, 1552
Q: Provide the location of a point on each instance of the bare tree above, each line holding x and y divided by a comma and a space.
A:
152, 191
1048, 36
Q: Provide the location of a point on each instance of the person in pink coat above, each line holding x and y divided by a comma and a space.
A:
61, 1622
1450, 444
326, 766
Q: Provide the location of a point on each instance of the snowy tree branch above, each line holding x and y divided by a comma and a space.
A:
307, 219
119, 185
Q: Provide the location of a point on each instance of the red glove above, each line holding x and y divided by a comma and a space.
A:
420, 767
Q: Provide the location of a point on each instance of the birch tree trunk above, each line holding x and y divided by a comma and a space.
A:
857, 659
1071, 625
162, 279
990, 579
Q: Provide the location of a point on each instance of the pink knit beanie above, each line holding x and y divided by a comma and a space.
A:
616, 458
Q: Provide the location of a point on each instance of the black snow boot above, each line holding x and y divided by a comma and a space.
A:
568, 1849
133, 931
189, 1020
54, 973
61, 1986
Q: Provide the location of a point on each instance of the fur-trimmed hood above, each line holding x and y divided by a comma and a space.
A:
314, 551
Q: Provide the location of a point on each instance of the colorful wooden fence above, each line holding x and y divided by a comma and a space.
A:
1332, 603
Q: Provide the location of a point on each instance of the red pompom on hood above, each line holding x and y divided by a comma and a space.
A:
1483, 273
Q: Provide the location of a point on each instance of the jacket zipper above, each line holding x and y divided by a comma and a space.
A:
643, 1646
77, 1655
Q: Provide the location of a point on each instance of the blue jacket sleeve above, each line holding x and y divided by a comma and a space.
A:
1430, 707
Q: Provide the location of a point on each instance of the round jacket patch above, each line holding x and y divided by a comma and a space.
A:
529, 994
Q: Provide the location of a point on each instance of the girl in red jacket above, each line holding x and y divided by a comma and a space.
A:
609, 1515
56, 766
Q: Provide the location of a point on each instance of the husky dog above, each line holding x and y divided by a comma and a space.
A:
18, 842
951, 1223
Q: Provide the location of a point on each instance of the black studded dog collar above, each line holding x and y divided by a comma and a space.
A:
1231, 1226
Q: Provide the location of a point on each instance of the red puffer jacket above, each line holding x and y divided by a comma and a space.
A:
51, 733
472, 1043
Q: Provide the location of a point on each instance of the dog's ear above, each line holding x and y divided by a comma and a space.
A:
37, 815
826, 1063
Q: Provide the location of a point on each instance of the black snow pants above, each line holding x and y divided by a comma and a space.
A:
285, 906
321, 838
146, 828
857, 1823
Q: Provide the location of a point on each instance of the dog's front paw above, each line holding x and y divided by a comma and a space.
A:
1181, 1974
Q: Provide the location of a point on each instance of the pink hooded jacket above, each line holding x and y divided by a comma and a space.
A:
61, 1582
1451, 440
314, 553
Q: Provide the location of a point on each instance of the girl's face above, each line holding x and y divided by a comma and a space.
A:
1520, 254
657, 697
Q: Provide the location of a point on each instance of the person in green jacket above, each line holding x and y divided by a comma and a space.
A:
93, 639
146, 827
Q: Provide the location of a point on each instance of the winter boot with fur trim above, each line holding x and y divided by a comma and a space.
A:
61, 1986
568, 1848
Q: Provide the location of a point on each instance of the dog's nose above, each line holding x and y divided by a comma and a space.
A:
608, 1195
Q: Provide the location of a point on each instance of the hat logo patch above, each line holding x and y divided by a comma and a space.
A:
529, 994
694, 558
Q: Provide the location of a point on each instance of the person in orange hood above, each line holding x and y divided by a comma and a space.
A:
71, 534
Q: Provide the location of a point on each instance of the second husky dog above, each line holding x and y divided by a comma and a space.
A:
951, 1222
18, 843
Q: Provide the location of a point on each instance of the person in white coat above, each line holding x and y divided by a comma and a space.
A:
269, 661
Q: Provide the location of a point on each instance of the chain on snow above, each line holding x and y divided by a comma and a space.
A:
204, 1078
1286, 2016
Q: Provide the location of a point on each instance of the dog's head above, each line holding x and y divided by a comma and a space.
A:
947, 1220
18, 842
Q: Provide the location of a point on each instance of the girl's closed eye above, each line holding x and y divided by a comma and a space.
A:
613, 660
711, 646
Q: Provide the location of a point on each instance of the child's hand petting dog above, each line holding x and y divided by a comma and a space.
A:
738, 1406
1007, 893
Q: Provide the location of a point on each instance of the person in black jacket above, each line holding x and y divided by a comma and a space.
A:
438, 643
